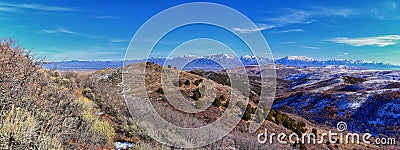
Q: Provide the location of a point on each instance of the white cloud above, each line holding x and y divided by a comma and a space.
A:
288, 16
299, 16
291, 16
288, 42
292, 30
379, 41
310, 47
345, 53
341, 12
8, 9
259, 27
106, 17
117, 40
36, 7
60, 29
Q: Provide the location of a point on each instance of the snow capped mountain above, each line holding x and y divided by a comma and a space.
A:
188, 56
302, 61
227, 61
248, 57
299, 58
215, 61
220, 56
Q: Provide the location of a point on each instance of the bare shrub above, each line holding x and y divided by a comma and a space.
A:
38, 108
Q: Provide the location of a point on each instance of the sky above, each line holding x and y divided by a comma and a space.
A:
102, 30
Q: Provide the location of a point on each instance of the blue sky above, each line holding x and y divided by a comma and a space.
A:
101, 30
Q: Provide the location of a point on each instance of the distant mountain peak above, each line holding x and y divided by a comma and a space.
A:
220, 56
248, 57
187, 56
303, 61
228, 61
299, 58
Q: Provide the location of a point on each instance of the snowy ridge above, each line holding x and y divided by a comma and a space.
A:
229, 61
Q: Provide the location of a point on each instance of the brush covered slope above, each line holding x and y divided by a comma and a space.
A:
42, 109
108, 85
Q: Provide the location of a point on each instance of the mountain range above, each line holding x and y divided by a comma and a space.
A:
221, 62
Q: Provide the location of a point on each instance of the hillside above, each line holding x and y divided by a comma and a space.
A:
367, 100
43, 109
107, 84
68, 110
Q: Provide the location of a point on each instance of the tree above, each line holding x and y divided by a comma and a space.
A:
160, 90
217, 102
250, 109
315, 132
196, 96
226, 105
251, 97
302, 147
278, 120
197, 82
246, 116
222, 98
270, 114
187, 82
200, 92
169, 66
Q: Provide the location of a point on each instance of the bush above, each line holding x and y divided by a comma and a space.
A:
246, 116
315, 132
160, 90
278, 120
250, 109
46, 114
105, 130
197, 82
199, 105
196, 95
19, 131
226, 105
352, 80
19, 74
251, 98
270, 114
217, 102
302, 147
222, 98
187, 82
